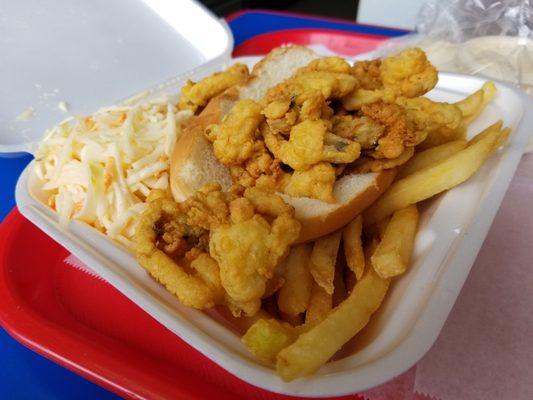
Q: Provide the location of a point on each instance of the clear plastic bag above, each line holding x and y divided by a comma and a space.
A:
486, 37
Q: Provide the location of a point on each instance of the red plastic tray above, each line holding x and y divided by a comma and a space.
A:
84, 324
341, 42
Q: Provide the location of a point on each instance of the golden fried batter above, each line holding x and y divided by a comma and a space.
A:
427, 115
398, 132
316, 182
363, 130
368, 74
235, 138
310, 143
168, 246
196, 95
250, 248
216, 247
407, 73
367, 164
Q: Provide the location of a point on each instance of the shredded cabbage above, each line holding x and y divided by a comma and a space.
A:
100, 169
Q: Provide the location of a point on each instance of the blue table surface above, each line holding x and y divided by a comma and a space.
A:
27, 375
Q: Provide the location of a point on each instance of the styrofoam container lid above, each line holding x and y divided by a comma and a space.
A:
73, 56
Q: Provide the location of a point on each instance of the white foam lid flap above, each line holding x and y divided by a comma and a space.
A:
83, 55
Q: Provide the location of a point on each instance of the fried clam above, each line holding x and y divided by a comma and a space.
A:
197, 95
217, 247
405, 74
250, 247
175, 253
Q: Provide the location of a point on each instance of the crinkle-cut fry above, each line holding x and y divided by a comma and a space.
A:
323, 259
489, 91
431, 156
319, 306
436, 178
353, 246
293, 297
314, 348
393, 253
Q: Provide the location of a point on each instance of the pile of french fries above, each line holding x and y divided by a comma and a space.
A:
334, 285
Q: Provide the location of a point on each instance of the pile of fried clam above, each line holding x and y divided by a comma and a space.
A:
238, 248
329, 118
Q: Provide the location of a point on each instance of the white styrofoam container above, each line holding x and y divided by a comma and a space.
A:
452, 230
92, 53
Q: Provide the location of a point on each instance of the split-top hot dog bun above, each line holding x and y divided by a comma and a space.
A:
193, 163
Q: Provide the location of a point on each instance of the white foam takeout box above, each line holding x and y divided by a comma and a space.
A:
452, 229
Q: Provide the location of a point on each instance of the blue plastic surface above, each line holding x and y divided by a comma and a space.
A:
247, 24
27, 375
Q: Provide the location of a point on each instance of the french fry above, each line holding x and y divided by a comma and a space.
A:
440, 136
323, 258
339, 294
435, 178
488, 90
392, 255
315, 347
267, 337
470, 104
293, 296
353, 246
497, 126
431, 156
320, 304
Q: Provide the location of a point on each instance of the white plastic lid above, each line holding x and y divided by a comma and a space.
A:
70, 57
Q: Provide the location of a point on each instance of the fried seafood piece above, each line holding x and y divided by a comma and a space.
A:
217, 247
429, 116
235, 139
282, 114
409, 73
368, 74
196, 95
316, 182
363, 130
250, 247
174, 250
309, 143
398, 133
405, 74
238, 144
364, 165
331, 64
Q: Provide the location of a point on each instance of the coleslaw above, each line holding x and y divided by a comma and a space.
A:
100, 169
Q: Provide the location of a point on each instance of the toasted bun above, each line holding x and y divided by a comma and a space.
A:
353, 194
193, 163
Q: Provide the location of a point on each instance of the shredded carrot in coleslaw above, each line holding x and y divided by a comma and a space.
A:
100, 169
